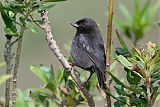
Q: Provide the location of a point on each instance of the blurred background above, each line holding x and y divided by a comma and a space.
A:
35, 50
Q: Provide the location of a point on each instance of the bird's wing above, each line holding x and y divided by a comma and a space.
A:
94, 50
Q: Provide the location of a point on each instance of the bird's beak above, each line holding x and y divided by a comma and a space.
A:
73, 24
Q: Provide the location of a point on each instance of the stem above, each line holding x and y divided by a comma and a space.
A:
148, 91
108, 50
55, 49
7, 58
16, 65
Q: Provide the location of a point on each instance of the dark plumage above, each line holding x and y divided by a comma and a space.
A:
87, 49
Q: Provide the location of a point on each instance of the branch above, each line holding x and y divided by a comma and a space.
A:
108, 50
7, 58
55, 49
16, 64
149, 103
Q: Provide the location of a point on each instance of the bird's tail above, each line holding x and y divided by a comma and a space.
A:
101, 79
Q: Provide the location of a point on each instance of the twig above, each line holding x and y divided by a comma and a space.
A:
55, 49
13, 42
108, 50
7, 58
36, 22
16, 65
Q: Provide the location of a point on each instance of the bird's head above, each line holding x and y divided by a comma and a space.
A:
85, 24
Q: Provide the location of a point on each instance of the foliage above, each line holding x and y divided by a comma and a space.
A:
137, 24
62, 89
3, 78
20, 13
57, 90
142, 67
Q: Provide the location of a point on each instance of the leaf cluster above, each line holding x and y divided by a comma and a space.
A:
19, 13
58, 89
139, 22
142, 69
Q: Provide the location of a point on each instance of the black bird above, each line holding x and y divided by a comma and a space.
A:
87, 49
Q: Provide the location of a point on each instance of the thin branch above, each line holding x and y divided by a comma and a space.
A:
108, 48
7, 58
36, 22
13, 42
16, 64
55, 49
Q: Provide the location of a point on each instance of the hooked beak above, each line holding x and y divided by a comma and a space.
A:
73, 24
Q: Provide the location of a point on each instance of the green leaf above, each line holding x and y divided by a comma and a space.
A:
16, 4
123, 51
36, 93
92, 83
3, 78
53, 75
113, 70
141, 62
154, 94
20, 100
60, 76
11, 32
127, 31
124, 62
154, 68
120, 91
123, 85
116, 98
18, 7
121, 41
53, 0
113, 66
117, 80
139, 101
52, 87
120, 103
8, 20
40, 73
132, 78
52, 103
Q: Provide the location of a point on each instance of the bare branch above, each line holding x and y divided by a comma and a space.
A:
7, 58
16, 64
108, 49
55, 49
